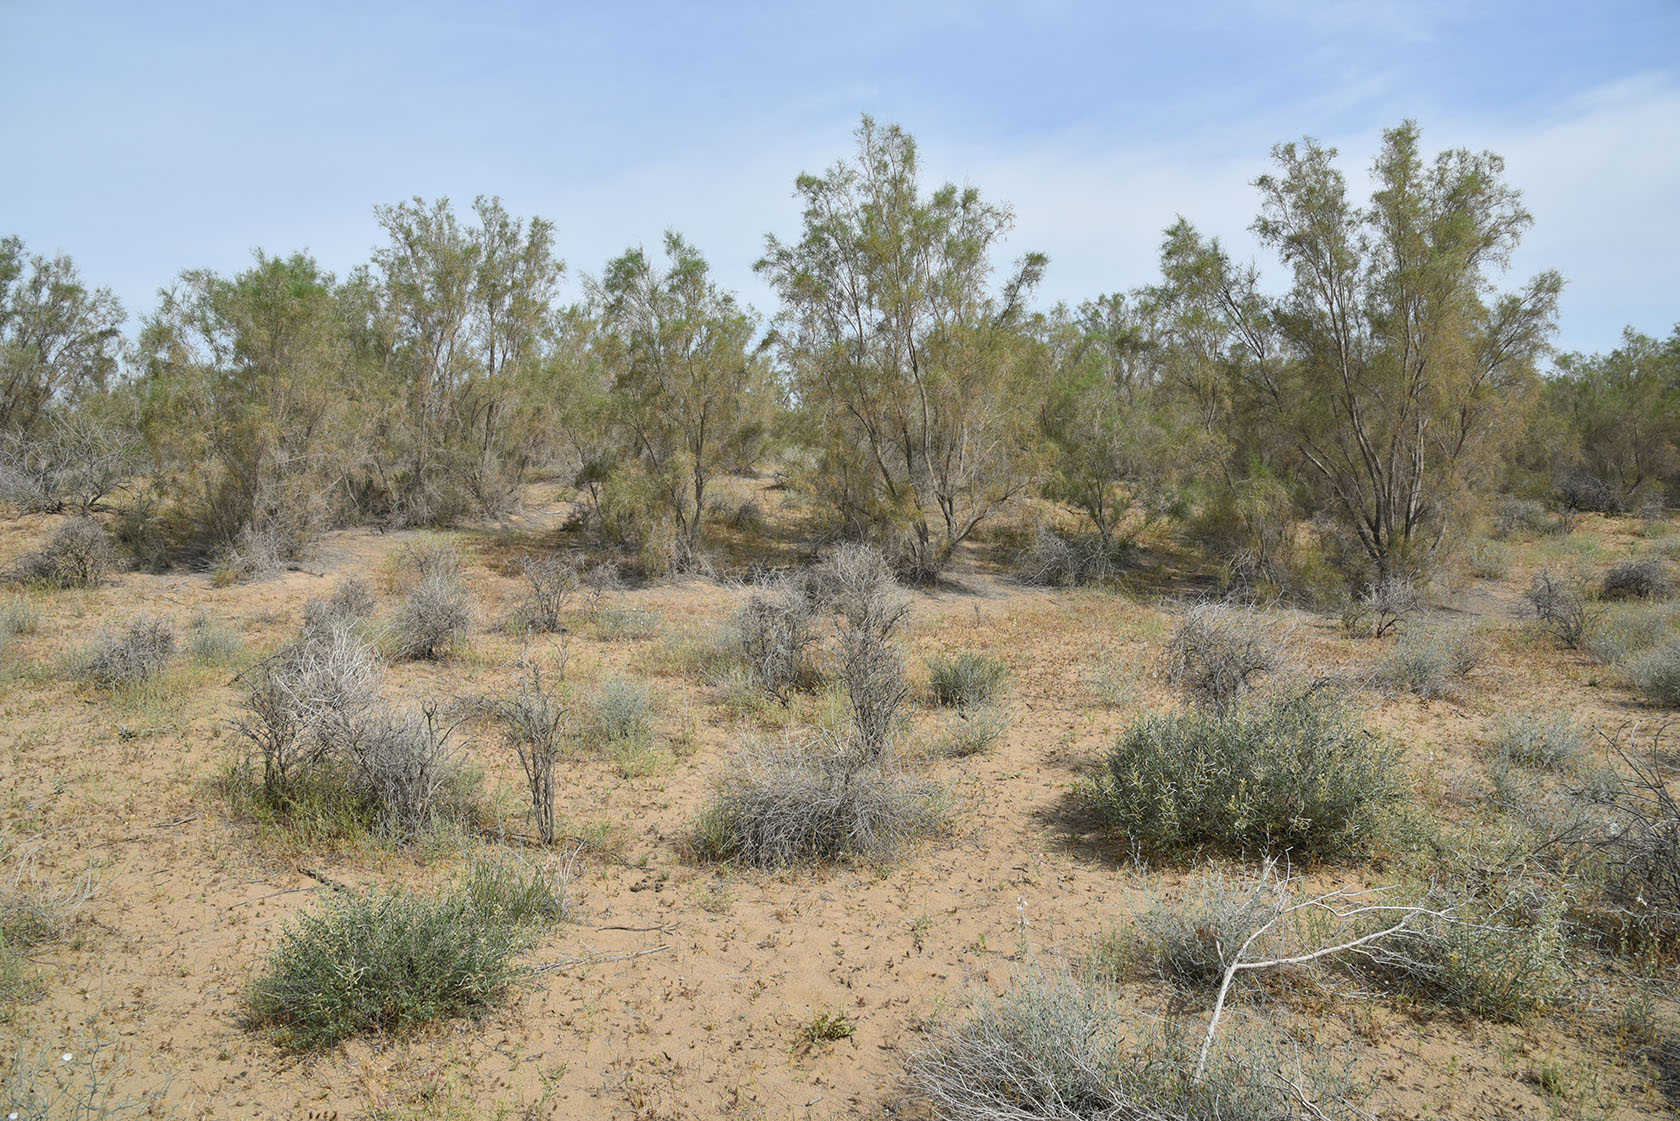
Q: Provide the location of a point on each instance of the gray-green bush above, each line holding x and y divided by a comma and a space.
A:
1297, 775
1532, 738
966, 680
1432, 662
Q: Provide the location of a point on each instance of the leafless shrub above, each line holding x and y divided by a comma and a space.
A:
429, 558
1563, 609
826, 800
1640, 848
776, 628
1054, 560
537, 726
352, 600
550, 582
135, 653
403, 761
77, 555
434, 617
1382, 605
856, 582
1646, 578
1216, 652
309, 702
1577, 491
70, 465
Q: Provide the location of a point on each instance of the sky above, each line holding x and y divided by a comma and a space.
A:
144, 139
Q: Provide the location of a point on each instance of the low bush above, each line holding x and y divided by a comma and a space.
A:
1520, 515
1623, 630
212, 642
973, 730
856, 583
352, 601
1432, 663
1534, 739
1489, 560
135, 653
550, 583
1646, 578
816, 802
776, 629
967, 680
434, 617
1054, 560
1382, 605
514, 892
1500, 959
383, 962
537, 725
1563, 609
1053, 1046
19, 616
1297, 775
77, 555
407, 765
1656, 674
1195, 938
619, 709
308, 704
1216, 652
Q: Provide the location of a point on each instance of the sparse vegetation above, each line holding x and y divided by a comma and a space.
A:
1562, 608
619, 709
1532, 738
966, 680
434, 617
1433, 662
1646, 578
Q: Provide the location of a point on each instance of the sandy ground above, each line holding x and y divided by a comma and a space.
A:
697, 983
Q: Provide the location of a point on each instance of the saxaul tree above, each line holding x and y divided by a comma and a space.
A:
910, 367
1391, 370
57, 338
689, 392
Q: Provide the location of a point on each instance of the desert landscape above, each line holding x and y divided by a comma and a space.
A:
672, 984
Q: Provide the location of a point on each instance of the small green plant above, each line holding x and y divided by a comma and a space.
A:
966, 680
826, 1027
383, 962
1296, 775
19, 616
211, 642
519, 892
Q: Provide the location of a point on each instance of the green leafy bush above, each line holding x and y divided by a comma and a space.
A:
383, 962
1298, 775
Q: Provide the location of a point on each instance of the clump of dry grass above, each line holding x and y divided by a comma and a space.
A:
1646, 578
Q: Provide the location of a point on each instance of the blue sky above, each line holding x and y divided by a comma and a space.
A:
144, 138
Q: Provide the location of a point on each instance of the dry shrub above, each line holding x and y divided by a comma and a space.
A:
857, 584
1532, 738
1646, 578
1054, 560
776, 629
1382, 605
1216, 652
1195, 938
1432, 663
537, 725
135, 653
550, 583
1563, 609
825, 800
404, 762
352, 600
434, 617
1060, 1048
77, 555
1656, 674
309, 703
1520, 515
